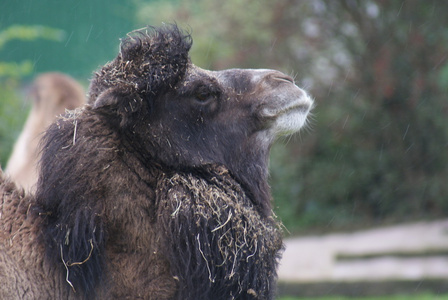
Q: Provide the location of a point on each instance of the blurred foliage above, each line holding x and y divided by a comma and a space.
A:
13, 69
13, 112
88, 33
233, 33
377, 152
24, 33
30, 33
382, 156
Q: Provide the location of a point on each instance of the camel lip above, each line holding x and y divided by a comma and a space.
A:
302, 105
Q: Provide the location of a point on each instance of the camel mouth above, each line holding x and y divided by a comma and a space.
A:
292, 117
301, 105
298, 107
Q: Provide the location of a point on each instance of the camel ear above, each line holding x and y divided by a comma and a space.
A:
119, 103
107, 100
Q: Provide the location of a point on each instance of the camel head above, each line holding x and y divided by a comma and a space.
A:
185, 116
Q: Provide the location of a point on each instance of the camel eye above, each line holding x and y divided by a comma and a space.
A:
203, 95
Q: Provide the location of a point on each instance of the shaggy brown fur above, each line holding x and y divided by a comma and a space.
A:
211, 218
23, 272
158, 188
52, 94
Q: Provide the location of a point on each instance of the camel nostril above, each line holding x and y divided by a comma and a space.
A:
279, 76
284, 78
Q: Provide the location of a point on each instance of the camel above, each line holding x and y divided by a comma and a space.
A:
157, 188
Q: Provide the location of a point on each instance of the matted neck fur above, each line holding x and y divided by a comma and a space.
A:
157, 189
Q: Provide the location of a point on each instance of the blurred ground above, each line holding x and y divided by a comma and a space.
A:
415, 251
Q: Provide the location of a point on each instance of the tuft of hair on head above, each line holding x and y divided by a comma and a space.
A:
151, 60
156, 56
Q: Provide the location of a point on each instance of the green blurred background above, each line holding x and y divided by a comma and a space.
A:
376, 148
